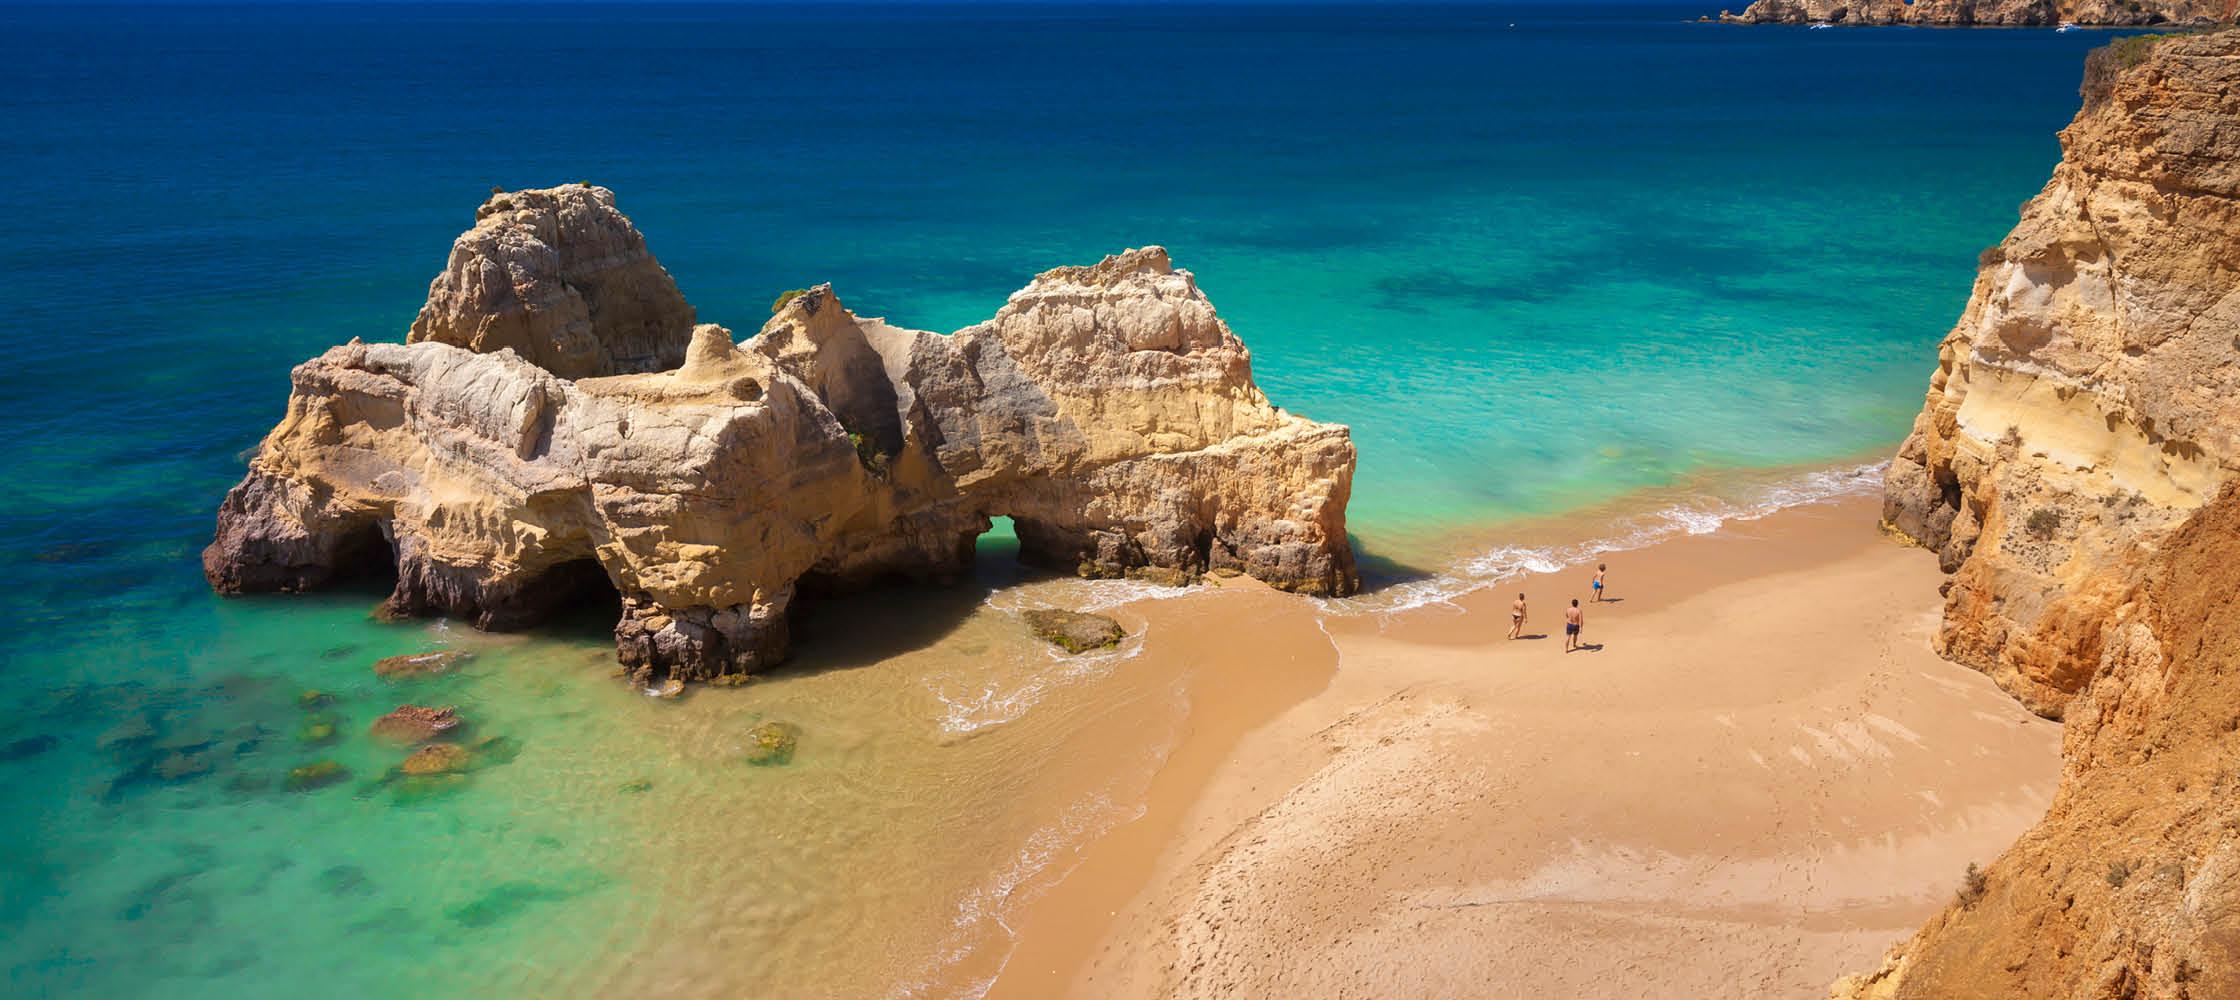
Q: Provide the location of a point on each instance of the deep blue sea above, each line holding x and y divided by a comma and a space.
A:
1540, 257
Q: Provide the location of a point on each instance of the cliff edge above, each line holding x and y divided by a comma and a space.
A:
1106, 409
2082, 408
1987, 13
2074, 469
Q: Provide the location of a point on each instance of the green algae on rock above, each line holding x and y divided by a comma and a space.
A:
420, 664
772, 743
437, 758
415, 723
316, 775
1074, 631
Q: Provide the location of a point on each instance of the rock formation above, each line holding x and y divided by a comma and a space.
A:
1105, 409
2001, 13
564, 280
2088, 390
2082, 407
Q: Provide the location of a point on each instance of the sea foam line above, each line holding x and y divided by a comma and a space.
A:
1701, 517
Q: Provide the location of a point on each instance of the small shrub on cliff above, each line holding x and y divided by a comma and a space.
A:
868, 453
2132, 50
2119, 872
1973, 884
785, 297
2043, 523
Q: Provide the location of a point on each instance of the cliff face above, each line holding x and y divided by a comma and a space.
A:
2130, 886
2082, 407
1106, 409
2088, 389
2002, 13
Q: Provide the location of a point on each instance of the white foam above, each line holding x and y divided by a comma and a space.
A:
992, 905
1006, 693
1508, 562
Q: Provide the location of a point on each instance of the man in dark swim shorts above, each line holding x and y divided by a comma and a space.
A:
1573, 618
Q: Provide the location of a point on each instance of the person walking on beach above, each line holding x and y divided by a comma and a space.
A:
1573, 620
1516, 617
1599, 569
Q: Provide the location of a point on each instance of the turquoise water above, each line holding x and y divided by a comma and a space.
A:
1538, 257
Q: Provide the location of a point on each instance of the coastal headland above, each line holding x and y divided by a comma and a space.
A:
1986, 13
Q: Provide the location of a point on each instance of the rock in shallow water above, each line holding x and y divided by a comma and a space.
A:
1074, 631
415, 723
420, 664
772, 743
437, 758
318, 774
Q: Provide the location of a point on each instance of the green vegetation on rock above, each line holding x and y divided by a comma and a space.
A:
315, 775
772, 743
1073, 631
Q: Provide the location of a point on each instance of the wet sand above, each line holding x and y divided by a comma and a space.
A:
1755, 778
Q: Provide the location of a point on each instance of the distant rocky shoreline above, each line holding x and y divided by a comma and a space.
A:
1986, 13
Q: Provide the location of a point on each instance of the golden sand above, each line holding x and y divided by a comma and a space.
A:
1755, 778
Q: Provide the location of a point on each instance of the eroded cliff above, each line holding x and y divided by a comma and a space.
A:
2083, 406
1999, 13
2074, 469
1106, 409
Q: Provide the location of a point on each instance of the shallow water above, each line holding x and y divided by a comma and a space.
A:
1599, 275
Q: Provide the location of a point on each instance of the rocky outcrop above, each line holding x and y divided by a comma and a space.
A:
1074, 631
2000, 13
2074, 469
565, 281
1106, 409
414, 723
2082, 408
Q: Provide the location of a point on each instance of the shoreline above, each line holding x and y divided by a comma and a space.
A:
1250, 863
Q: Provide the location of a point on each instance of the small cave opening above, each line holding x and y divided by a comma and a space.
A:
365, 559
995, 555
577, 599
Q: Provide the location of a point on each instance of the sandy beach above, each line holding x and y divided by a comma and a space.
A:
1754, 779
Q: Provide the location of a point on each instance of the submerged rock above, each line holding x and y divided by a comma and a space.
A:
437, 758
636, 785
1074, 631
28, 747
312, 700
318, 774
772, 743
317, 732
416, 723
1106, 409
180, 767
440, 661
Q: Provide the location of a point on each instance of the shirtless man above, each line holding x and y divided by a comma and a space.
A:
1599, 569
1573, 620
1516, 617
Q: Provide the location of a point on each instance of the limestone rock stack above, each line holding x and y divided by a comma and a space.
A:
2074, 469
1106, 409
564, 280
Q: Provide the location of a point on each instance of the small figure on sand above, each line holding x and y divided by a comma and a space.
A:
1599, 569
1516, 617
1573, 620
